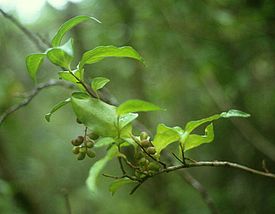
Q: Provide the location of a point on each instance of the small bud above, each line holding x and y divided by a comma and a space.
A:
75, 150
145, 143
91, 153
90, 143
151, 150
81, 156
93, 136
143, 135
76, 142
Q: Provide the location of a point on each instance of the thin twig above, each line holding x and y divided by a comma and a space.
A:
67, 200
31, 95
36, 40
217, 164
200, 188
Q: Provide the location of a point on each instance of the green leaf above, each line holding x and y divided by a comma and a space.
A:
104, 141
33, 63
97, 168
102, 52
61, 56
126, 119
98, 116
136, 106
234, 113
56, 107
64, 28
99, 82
119, 183
164, 136
190, 126
65, 75
194, 140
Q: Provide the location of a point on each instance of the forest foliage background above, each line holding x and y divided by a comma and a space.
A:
202, 58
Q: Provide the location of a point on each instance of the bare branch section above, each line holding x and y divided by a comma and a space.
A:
201, 189
217, 164
31, 95
35, 39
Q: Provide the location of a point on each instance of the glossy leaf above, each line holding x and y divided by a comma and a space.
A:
136, 106
126, 119
118, 183
195, 140
33, 63
64, 28
96, 169
190, 126
164, 136
65, 75
104, 141
98, 116
102, 52
61, 56
99, 82
56, 107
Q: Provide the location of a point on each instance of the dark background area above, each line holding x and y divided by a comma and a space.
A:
202, 58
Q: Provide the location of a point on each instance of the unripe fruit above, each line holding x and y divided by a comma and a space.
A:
153, 166
75, 150
90, 143
82, 149
143, 135
76, 142
93, 136
80, 139
91, 153
145, 143
143, 162
81, 156
151, 150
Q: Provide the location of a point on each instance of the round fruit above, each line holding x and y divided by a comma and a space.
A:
93, 136
145, 143
151, 150
75, 150
80, 139
76, 142
81, 156
82, 149
143, 135
91, 153
90, 143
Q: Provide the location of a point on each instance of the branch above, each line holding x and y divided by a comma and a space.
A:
216, 164
201, 189
31, 95
27, 32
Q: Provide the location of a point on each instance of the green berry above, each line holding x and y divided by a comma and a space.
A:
143, 162
145, 143
80, 139
90, 143
143, 135
75, 150
91, 153
153, 166
151, 150
82, 149
93, 136
81, 156
76, 142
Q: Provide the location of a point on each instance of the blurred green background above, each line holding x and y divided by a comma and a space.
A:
202, 57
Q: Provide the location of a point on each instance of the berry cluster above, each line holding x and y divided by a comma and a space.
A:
83, 146
145, 163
